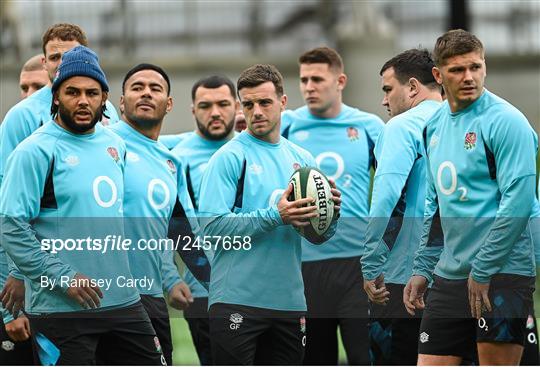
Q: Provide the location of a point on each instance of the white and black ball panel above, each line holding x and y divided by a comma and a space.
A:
310, 182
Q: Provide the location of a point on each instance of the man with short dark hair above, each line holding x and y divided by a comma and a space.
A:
481, 178
155, 193
342, 139
33, 76
411, 96
256, 297
214, 107
63, 186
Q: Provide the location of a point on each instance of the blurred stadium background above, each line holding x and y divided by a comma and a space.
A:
191, 39
194, 38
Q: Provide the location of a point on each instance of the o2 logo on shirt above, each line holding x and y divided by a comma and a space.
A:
103, 184
453, 187
151, 193
107, 181
336, 161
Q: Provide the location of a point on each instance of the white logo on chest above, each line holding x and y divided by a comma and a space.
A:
255, 169
72, 160
301, 135
434, 140
132, 157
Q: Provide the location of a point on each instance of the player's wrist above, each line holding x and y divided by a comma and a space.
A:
173, 286
275, 214
369, 271
7, 317
480, 277
65, 285
16, 275
425, 274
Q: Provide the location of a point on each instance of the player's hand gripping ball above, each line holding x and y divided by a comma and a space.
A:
310, 182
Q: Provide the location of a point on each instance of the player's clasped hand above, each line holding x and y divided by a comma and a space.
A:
296, 212
376, 290
413, 294
19, 329
478, 297
180, 296
83, 292
12, 295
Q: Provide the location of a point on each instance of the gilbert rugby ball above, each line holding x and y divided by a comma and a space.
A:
310, 182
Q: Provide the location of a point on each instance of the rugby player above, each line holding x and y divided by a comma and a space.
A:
154, 188
481, 176
342, 139
255, 319
33, 76
65, 183
29, 114
214, 107
21, 121
411, 96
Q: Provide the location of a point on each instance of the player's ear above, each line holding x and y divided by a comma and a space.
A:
122, 107
437, 74
169, 104
104, 97
193, 109
342, 81
55, 98
283, 102
414, 87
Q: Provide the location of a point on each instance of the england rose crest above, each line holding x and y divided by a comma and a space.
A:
352, 133
303, 324
171, 165
114, 153
470, 140
157, 344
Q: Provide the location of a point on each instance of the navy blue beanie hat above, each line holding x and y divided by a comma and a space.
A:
80, 61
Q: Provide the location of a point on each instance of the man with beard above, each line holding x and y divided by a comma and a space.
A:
411, 96
155, 190
63, 184
21, 121
32, 112
214, 108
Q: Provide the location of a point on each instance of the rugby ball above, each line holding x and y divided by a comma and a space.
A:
310, 182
